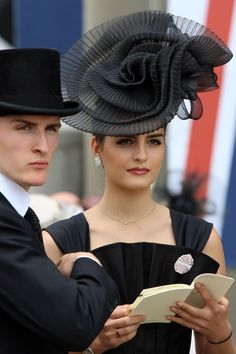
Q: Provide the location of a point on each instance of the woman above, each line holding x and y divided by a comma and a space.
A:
131, 76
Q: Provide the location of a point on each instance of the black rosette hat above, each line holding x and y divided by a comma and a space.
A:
132, 75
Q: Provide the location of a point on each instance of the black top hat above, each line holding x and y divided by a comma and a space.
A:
132, 74
30, 83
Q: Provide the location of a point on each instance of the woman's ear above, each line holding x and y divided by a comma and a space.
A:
95, 146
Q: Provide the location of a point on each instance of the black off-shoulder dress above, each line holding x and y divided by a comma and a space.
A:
135, 266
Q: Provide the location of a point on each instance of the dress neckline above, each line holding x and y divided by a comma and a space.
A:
172, 213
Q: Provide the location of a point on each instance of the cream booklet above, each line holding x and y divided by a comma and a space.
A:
155, 302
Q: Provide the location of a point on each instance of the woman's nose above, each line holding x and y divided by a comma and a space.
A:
140, 152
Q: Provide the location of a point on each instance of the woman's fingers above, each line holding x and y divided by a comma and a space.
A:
208, 320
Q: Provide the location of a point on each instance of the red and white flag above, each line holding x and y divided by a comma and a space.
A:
208, 146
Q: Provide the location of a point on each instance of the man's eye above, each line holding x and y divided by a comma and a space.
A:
23, 127
53, 128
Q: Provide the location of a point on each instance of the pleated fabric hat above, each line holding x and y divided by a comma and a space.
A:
133, 74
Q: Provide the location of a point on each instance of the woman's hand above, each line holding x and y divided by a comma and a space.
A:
66, 262
119, 328
210, 321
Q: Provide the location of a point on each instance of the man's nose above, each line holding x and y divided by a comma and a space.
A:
41, 143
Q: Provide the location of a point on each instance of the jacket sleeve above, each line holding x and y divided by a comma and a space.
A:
68, 311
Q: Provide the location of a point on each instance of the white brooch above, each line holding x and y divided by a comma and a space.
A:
184, 263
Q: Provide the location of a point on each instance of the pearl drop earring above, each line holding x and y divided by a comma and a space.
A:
97, 160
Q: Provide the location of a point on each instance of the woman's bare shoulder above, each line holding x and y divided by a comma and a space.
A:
214, 249
51, 248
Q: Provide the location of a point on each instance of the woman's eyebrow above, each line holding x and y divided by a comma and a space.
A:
156, 135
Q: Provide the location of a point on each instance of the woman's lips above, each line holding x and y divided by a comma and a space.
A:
138, 171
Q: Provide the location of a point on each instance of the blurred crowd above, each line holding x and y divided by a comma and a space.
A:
60, 205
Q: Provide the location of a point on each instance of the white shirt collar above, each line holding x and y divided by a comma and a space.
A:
15, 194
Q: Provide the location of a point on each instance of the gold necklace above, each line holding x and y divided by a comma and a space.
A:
131, 221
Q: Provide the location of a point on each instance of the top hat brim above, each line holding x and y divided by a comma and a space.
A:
70, 108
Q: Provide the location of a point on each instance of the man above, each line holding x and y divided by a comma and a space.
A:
41, 310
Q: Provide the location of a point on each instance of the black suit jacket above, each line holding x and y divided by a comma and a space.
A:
41, 311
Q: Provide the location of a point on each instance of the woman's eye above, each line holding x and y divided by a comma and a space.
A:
124, 141
155, 142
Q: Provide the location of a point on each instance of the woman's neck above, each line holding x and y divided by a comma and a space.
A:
126, 204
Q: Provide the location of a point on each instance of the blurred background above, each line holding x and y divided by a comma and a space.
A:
201, 155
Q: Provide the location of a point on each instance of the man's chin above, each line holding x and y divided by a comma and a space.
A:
36, 182
39, 183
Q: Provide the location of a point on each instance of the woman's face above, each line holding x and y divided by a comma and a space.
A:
132, 162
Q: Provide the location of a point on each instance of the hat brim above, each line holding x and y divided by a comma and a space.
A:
70, 108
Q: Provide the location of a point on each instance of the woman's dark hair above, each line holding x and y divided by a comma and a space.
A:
100, 139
